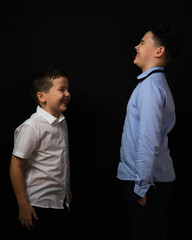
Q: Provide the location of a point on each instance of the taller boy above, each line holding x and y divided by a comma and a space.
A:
39, 169
146, 167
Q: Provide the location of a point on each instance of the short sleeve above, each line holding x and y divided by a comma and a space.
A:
25, 141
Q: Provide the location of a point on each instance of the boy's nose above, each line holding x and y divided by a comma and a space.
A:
67, 94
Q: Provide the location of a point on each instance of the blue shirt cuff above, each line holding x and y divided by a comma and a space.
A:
141, 189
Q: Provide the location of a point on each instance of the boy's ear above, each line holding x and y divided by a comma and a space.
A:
160, 51
41, 97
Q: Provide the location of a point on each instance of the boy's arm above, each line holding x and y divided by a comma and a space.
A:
25, 209
17, 180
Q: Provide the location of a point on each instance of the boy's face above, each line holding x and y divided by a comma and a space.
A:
146, 52
56, 99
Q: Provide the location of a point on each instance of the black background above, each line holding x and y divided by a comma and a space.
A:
95, 43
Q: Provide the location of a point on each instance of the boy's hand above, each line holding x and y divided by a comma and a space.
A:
26, 212
142, 201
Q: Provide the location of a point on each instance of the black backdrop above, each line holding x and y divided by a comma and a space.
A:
95, 43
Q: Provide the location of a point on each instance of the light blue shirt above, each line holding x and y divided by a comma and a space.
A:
144, 153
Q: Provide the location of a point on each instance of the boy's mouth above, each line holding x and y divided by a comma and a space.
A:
137, 55
65, 102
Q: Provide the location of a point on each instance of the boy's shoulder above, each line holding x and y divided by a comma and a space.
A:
34, 121
31, 120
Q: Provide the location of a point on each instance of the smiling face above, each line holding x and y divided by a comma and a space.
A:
56, 99
148, 53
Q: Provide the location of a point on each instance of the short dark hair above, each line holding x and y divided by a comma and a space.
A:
167, 35
41, 80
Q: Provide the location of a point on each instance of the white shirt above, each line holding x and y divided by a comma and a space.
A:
43, 141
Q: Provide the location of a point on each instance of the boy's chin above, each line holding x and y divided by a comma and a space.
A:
135, 61
63, 109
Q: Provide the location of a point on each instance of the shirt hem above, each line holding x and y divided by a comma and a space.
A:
41, 206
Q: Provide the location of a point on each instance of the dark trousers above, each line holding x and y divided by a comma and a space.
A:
148, 222
52, 224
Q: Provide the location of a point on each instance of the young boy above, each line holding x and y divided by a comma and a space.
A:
39, 168
146, 168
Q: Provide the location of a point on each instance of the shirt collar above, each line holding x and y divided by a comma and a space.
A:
144, 74
50, 118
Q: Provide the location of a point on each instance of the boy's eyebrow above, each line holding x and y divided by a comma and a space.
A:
64, 86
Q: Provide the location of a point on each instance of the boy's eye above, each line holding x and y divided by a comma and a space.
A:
61, 89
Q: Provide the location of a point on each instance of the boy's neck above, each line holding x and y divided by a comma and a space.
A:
153, 65
51, 112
